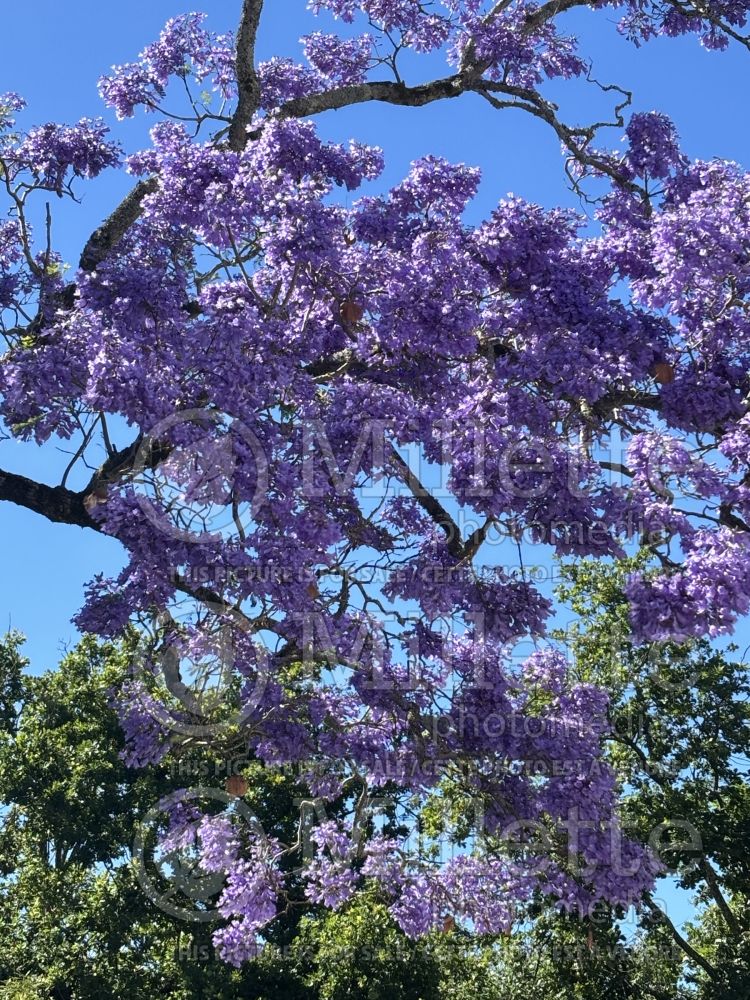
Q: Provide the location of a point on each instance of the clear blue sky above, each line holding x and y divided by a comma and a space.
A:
54, 61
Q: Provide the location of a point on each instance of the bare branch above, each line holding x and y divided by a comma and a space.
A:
551, 9
683, 942
248, 83
377, 90
109, 234
712, 882
431, 506
56, 503
574, 139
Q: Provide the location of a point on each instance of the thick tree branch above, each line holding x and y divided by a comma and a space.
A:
476, 539
430, 505
549, 10
121, 463
712, 882
248, 83
682, 942
64, 506
615, 400
56, 503
386, 91
109, 234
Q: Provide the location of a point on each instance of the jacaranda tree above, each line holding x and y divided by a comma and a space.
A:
331, 427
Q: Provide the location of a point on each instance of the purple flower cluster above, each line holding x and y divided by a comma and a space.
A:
184, 47
653, 145
705, 597
140, 714
11, 254
51, 151
10, 104
642, 22
338, 61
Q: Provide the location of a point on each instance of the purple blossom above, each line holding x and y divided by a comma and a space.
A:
706, 596
10, 104
52, 151
146, 737
338, 61
183, 48
654, 149
283, 80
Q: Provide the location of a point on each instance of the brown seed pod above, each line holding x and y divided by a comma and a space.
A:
236, 785
663, 372
351, 311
